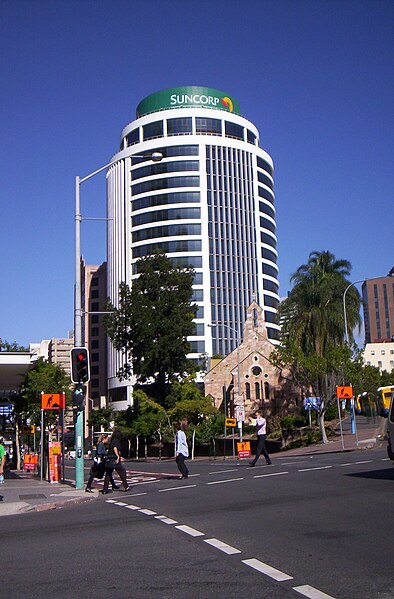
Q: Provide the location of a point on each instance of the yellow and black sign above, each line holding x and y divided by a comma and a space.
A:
231, 422
28, 429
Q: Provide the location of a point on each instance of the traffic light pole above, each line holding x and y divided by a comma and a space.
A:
79, 433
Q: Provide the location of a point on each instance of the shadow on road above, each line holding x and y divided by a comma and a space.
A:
387, 474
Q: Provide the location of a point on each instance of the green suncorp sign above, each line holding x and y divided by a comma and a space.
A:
188, 97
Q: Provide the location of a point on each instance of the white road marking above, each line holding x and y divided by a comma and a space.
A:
291, 463
224, 471
121, 503
137, 494
166, 520
190, 531
229, 480
148, 512
190, 475
110, 500
272, 474
361, 462
316, 468
177, 488
222, 546
386, 460
266, 569
132, 507
311, 592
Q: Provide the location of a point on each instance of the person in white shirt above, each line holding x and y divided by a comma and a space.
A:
261, 432
181, 449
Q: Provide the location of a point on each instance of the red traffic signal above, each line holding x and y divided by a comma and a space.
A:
80, 371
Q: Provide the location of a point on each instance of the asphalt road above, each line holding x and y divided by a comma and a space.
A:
315, 527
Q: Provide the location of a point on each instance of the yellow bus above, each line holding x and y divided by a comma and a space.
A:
384, 399
390, 431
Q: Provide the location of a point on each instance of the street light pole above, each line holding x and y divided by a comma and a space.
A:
344, 308
79, 433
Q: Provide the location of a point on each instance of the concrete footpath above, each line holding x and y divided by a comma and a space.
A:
24, 492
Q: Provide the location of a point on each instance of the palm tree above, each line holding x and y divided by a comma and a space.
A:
312, 314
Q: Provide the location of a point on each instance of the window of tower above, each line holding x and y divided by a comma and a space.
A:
270, 302
179, 126
265, 253
133, 137
267, 224
152, 130
208, 126
267, 209
268, 239
264, 165
166, 183
251, 137
183, 245
264, 193
160, 199
269, 270
172, 214
233, 130
264, 179
166, 231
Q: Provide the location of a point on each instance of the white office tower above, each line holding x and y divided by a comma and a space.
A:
208, 203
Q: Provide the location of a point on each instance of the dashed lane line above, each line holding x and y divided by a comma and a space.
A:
190, 531
271, 474
266, 569
222, 546
220, 482
311, 592
316, 468
306, 590
224, 471
166, 520
177, 488
360, 462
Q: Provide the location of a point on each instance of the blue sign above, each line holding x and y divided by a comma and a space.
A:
312, 403
6, 409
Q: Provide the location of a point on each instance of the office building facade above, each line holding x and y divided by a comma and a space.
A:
378, 302
208, 203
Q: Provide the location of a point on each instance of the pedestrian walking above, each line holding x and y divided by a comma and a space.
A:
261, 432
98, 467
114, 462
181, 449
2, 460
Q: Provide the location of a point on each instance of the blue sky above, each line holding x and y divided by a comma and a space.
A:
316, 77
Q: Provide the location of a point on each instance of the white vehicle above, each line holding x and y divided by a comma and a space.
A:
390, 430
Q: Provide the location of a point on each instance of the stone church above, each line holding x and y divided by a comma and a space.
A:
248, 372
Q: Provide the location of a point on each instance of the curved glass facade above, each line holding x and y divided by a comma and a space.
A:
208, 203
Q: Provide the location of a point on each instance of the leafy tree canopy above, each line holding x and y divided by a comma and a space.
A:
43, 377
151, 322
6, 346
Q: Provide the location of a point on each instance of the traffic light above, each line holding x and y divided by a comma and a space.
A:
80, 371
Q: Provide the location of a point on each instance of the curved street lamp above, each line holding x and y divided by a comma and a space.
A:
79, 454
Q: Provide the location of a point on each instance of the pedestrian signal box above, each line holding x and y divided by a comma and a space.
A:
80, 370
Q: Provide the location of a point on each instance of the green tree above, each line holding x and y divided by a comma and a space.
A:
100, 417
147, 419
313, 327
312, 314
46, 377
43, 377
152, 321
6, 346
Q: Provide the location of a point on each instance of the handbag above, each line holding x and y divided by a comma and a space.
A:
110, 462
